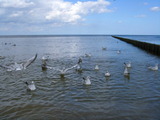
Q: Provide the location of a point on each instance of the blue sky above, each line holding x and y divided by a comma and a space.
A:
36, 17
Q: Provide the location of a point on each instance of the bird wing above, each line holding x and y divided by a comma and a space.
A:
53, 68
71, 67
49, 67
28, 62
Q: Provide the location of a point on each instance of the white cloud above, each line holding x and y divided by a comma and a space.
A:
155, 9
15, 3
69, 12
43, 15
51, 11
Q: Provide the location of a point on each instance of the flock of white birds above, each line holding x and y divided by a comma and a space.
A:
86, 80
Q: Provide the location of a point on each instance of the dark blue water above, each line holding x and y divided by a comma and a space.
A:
56, 98
155, 39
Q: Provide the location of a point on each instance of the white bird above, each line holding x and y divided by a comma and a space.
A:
44, 65
20, 66
96, 67
155, 68
31, 86
126, 72
78, 67
45, 58
87, 80
107, 74
128, 65
62, 71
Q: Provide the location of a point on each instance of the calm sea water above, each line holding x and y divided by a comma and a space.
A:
155, 39
56, 98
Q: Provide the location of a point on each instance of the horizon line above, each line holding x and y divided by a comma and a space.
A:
45, 35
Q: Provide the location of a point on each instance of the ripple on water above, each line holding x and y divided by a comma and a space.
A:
116, 97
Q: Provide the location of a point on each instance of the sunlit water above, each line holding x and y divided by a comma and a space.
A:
115, 98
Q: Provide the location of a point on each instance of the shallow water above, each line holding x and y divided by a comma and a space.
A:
56, 98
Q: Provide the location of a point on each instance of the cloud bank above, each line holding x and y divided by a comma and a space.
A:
49, 11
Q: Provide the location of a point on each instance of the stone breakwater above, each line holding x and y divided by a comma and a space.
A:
149, 47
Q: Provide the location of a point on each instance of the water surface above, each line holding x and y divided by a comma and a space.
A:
56, 98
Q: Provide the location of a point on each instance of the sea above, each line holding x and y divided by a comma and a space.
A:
118, 97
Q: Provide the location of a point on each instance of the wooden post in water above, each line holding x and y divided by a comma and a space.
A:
152, 48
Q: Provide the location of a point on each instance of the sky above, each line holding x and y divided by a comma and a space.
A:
63, 17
